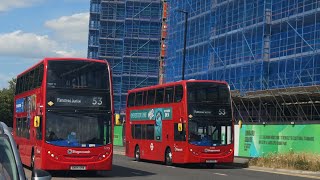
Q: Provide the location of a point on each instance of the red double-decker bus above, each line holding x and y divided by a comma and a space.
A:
182, 122
63, 115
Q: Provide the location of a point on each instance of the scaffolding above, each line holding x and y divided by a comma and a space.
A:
267, 50
128, 37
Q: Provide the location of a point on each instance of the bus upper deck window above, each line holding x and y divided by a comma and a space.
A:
178, 93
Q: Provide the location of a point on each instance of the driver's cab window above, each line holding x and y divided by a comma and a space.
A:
178, 93
39, 130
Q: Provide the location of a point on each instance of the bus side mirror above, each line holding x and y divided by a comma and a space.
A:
240, 123
36, 121
117, 118
180, 127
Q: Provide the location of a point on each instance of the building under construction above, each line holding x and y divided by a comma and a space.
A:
267, 50
126, 33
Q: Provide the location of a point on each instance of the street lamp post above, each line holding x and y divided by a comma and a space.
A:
185, 40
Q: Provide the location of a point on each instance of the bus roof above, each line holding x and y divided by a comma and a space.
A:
57, 59
182, 82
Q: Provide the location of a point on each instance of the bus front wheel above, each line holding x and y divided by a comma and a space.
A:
168, 157
137, 153
32, 161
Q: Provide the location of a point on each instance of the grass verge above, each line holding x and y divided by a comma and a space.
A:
296, 161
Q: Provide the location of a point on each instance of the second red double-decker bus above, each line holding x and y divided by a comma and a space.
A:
188, 121
64, 115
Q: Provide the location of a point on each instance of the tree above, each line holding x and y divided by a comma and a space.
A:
7, 103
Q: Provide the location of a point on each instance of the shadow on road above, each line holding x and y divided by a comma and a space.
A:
204, 166
211, 166
117, 171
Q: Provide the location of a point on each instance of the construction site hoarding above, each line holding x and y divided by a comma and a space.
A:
261, 140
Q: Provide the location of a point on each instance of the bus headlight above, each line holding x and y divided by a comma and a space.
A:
53, 155
103, 156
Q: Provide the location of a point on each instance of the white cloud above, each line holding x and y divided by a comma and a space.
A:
6, 5
71, 28
30, 45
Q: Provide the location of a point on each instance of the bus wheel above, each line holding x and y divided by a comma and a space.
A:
137, 153
168, 157
32, 161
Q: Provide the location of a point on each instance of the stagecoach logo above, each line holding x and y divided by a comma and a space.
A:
151, 146
71, 151
222, 112
211, 150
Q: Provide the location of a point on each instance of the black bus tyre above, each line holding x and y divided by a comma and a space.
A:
168, 157
137, 153
32, 161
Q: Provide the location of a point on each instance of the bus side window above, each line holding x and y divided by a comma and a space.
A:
178, 93
25, 83
36, 78
145, 97
137, 131
131, 100
159, 96
139, 97
150, 131
151, 96
168, 95
41, 72
31, 80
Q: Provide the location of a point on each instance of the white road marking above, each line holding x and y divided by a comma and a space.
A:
220, 174
136, 173
171, 167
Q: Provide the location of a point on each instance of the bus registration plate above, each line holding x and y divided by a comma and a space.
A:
211, 161
78, 168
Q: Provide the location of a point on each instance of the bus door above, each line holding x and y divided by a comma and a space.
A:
37, 138
179, 147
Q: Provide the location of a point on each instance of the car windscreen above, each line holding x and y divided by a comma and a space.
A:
8, 166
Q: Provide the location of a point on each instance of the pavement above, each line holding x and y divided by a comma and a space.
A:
243, 162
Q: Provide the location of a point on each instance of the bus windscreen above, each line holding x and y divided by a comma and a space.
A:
78, 130
77, 75
208, 92
78, 104
210, 115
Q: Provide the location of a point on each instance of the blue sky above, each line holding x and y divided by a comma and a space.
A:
33, 29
